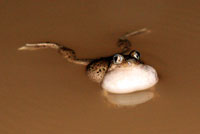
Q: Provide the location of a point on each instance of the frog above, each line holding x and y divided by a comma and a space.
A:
120, 73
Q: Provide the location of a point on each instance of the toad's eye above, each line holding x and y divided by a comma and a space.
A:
117, 59
135, 54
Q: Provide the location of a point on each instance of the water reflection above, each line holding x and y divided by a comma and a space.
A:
132, 99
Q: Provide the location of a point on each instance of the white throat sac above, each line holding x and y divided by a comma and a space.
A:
130, 79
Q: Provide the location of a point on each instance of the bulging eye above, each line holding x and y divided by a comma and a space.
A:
117, 59
135, 54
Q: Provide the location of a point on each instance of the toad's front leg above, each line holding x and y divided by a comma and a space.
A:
124, 44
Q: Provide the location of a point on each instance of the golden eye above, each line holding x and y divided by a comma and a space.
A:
117, 59
135, 54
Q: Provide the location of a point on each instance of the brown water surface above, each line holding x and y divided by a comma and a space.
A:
40, 93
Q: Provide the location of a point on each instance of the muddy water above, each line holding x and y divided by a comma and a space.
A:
41, 93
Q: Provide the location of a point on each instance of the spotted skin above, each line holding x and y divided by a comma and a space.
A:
96, 68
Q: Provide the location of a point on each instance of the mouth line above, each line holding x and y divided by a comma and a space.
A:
133, 61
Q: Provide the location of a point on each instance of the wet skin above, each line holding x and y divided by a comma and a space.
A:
96, 69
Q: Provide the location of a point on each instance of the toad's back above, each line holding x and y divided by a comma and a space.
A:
97, 69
